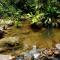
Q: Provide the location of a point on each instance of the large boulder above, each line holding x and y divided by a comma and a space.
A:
36, 26
11, 42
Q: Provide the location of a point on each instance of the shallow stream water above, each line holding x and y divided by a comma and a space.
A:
43, 38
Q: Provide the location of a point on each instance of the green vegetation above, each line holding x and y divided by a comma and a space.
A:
40, 11
18, 23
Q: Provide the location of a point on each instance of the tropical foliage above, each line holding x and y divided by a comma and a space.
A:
37, 10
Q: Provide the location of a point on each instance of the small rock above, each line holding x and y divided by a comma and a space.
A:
56, 52
48, 52
9, 22
3, 49
58, 46
5, 27
6, 57
1, 28
40, 24
55, 25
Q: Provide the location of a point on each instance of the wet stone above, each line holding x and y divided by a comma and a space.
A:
1, 34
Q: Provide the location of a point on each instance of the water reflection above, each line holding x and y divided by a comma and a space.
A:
47, 33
